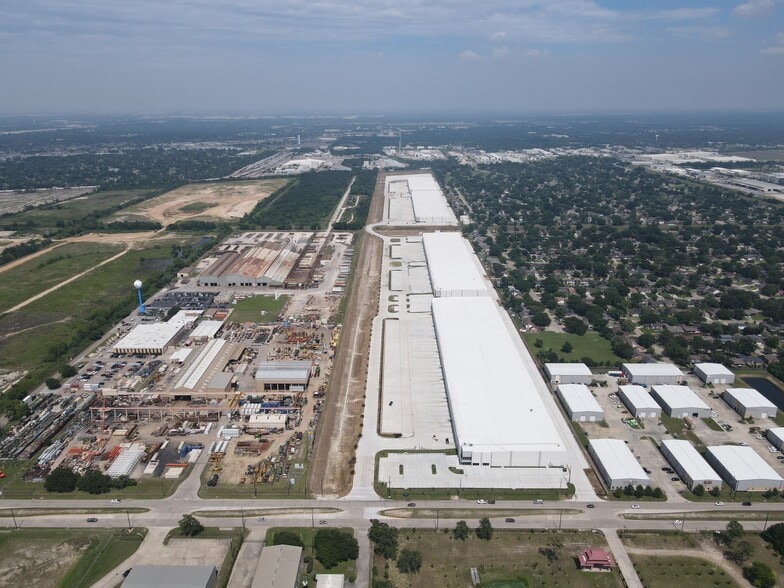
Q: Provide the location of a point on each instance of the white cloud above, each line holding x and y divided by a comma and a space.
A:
469, 55
680, 14
703, 32
752, 8
498, 36
500, 52
778, 45
534, 53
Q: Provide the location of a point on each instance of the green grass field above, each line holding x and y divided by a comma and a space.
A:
258, 309
73, 209
66, 558
198, 206
39, 274
666, 572
588, 345
52, 320
510, 558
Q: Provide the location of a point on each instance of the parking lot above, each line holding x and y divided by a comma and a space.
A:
643, 441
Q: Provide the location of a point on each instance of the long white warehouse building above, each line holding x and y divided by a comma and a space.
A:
498, 417
454, 269
617, 464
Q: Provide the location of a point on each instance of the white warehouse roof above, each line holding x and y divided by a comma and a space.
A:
430, 205
750, 398
743, 463
679, 397
617, 460
579, 398
149, 336
639, 398
690, 460
568, 369
206, 329
453, 267
652, 369
494, 402
713, 369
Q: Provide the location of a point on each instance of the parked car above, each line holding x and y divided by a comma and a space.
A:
412, 504
590, 506
509, 520
746, 504
719, 503
92, 520
675, 479
538, 501
635, 506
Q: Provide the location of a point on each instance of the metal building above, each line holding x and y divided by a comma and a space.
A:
742, 468
713, 373
648, 374
776, 437
283, 376
690, 465
568, 373
278, 567
579, 403
639, 403
680, 401
616, 463
171, 577
749, 403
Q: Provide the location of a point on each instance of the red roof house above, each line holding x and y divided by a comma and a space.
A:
595, 559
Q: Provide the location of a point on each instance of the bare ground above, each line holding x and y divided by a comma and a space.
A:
225, 200
37, 563
341, 422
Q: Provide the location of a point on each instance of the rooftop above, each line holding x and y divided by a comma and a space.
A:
617, 460
743, 463
652, 369
453, 267
568, 369
690, 459
750, 398
679, 396
713, 369
579, 398
638, 397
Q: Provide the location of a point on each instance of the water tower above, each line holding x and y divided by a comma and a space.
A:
138, 285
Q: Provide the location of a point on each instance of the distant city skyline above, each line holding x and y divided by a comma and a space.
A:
390, 56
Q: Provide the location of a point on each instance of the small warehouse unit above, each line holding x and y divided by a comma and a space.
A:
639, 403
742, 468
283, 376
648, 374
205, 331
680, 401
278, 567
749, 403
579, 403
713, 373
264, 422
776, 437
616, 463
171, 577
689, 464
568, 373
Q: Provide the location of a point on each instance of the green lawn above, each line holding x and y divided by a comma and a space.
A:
258, 309
510, 558
588, 345
348, 568
658, 539
677, 428
14, 487
198, 206
66, 558
74, 208
48, 270
666, 572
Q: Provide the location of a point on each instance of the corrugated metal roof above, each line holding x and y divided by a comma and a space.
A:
750, 398
679, 396
578, 398
568, 369
652, 369
617, 460
743, 463
690, 460
452, 266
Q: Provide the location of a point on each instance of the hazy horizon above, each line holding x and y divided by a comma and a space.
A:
251, 57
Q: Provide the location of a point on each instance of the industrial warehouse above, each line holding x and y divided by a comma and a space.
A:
749, 403
259, 260
454, 269
616, 463
416, 198
742, 468
640, 404
579, 403
568, 373
713, 373
680, 401
689, 464
647, 374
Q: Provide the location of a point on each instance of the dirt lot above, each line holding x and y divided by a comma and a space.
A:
217, 200
39, 563
341, 422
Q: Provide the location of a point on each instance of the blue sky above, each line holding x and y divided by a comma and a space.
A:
389, 56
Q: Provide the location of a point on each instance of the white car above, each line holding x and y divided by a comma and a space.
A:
481, 501
719, 503
635, 506
677, 522
115, 500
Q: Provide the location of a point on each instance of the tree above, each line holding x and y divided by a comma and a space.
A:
67, 371
462, 531
410, 561
333, 546
760, 575
53, 383
287, 538
190, 526
741, 552
574, 325
61, 479
699, 490
94, 482
657, 493
384, 539
485, 529
541, 319
733, 531
551, 553
775, 536
566, 347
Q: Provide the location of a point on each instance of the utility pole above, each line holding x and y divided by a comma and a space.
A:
128, 514
242, 516
13, 516
560, 518
312, 521
764, 527
436, 520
